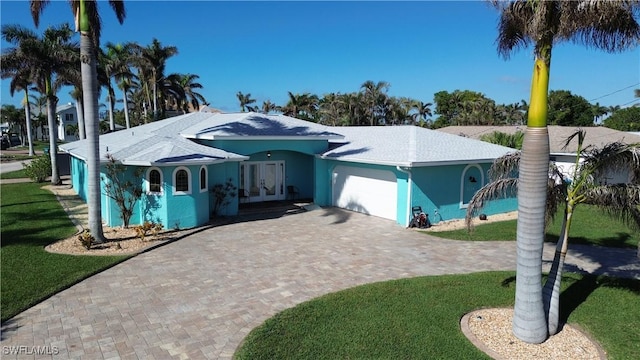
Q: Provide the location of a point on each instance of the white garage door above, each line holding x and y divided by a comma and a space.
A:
367, 191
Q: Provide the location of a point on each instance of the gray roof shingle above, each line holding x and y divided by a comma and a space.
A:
410, 146
597, 136
242, 125
157, 143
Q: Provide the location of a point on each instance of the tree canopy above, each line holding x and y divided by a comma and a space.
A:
627, 119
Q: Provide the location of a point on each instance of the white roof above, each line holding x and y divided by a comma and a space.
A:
251, 125
410, 146
171, 141
157, 143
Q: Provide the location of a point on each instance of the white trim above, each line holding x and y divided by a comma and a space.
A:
189, 181
147, 182
409, 194
206, 179
406, 164
262, 137
463, 180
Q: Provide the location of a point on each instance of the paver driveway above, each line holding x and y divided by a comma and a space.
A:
200, 296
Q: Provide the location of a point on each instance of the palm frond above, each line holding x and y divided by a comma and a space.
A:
505, 167
620, 201
613, 157
500, 188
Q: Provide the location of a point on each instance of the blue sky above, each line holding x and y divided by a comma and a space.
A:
268, 48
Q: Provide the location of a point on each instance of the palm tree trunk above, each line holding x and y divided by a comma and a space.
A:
529, 321
82, 134
551, 290
53, 137
27, 114
90, 97
155, 98
112, 124
126, 108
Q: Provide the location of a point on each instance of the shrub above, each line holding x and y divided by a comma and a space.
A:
142, 230
39, 168
223, 193
86, 239
119, 187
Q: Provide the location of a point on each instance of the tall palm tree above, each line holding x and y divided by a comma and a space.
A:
606, 25
46, 57
245, 100
152, 61
376, 99
117, 59
303, 106
16, 67
423, 110
76, 94
268, 106
89, 25
584, 185
190, 98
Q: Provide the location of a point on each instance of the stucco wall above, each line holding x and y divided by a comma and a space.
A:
79, 177
443, 191
248, 147
219, 174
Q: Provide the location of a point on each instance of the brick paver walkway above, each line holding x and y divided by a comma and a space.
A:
197, 298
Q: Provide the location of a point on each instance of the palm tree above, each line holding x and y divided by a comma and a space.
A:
376, 100
89, 26
268, 106
423, 110
118, 58
46, 57
607, 25
513, 141
188, 84
303, 106
245, 100
15, 66
584, 185
76, 93
613, 108
152, 61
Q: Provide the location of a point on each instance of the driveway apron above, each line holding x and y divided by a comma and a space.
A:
197, 298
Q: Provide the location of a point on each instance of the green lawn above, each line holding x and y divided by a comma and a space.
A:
590, 226
18, 174
419, 318
32, 218
13, 155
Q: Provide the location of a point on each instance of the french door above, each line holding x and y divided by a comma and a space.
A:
263, 180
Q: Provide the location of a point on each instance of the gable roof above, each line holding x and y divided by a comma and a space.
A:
157, 143
410, 146
597, 136
251, 126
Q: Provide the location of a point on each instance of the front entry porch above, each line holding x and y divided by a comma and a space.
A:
262, 181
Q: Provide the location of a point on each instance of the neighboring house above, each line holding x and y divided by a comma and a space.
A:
381, 171
564, 157
67, 118
66, 123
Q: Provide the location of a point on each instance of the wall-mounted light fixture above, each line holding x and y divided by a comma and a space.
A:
268, 154
472, 179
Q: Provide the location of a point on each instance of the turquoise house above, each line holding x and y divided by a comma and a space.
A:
380, 171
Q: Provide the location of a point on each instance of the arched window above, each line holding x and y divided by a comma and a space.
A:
472, 180
182, 181
203, 179
154, 181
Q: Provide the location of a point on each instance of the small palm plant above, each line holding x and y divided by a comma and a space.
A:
584, 186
